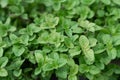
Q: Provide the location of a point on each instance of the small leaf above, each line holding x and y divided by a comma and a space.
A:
16, 64
93, 42
17, 73
24, 39
83, 68
100, 65
94, 70
4, 3
3, 30
49, 66
37, 71
89, 56
3, 72
84, 42
106, 38
87, 25
18, 50
112, 53
107, 2
72, 77
13, 38
62, 72
56, 6
3, 61
84, 11
116, 40
99, 48
74, 51
61, 62
69, 43
39, 57
74, 69
116, 2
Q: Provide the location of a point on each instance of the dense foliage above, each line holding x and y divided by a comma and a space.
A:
60, 39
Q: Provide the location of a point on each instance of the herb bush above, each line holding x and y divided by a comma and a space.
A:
59, 39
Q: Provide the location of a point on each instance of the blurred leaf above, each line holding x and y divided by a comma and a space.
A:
107, 2
37, 71
89, 56
3, 3
94, 70
72, 77
3, 61
39, 57
18, 50
17, 73
3, 72
83, 68
84, 42
116, 2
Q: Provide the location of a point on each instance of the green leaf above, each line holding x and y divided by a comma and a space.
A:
70, 4
18, 50
16, 64
49, 22
106, 38
3, 3
116, 40
49, 66
3, 30
107, 2
17, 73
13, 38
32, 28
55, 38
24, 39
116, 2
84, 42
84, 11
68, 42
43, 38
54, 56
94, 70
93, 42
83, 68
77, 30
100, 65
99, 48
112, 53
3, 61
37, 71
3, 72
39, 57
1, 52
105, 60
31, 58
57, 6
62, 72
87, 25
61, 62
74, 51
72, 77
87, 2
74, 69
89, 56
